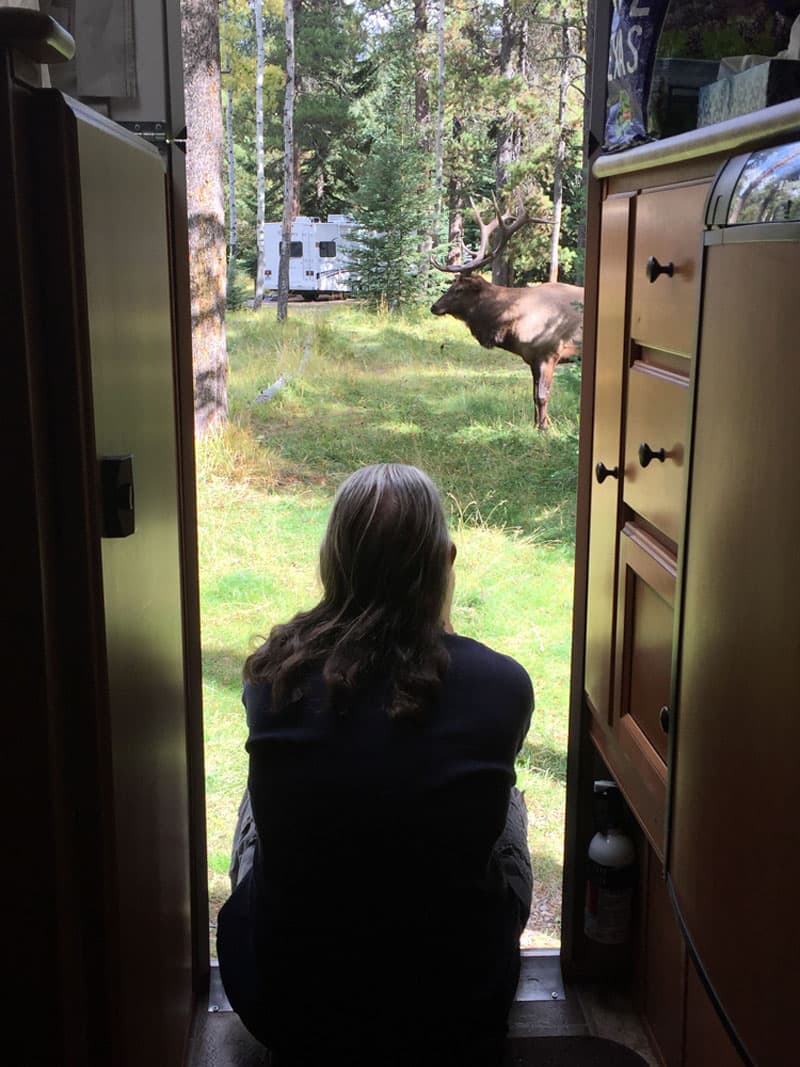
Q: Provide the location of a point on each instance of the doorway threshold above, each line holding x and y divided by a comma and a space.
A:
544, 1006
540, 980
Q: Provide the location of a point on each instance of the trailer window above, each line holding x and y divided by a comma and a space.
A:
327, 249
295, 249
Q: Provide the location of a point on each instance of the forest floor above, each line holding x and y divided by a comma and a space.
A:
351, 387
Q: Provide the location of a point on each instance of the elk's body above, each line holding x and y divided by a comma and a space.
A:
543, 324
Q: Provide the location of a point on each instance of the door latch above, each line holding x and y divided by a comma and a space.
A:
116, 496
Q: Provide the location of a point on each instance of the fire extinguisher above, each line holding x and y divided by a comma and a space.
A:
611, 871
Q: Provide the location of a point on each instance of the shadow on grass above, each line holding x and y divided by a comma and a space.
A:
546, 870
477, 448
223, 667
400, 343
544, 759
545, 917
240, 587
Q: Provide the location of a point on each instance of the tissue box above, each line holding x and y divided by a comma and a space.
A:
750, 90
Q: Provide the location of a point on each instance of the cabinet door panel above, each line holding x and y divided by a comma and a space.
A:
734, 837
664, 965
669, 225
650, 633
706, 1039
657, 413
610, 366
643, 666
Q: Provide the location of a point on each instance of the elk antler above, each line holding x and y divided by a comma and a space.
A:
507, 225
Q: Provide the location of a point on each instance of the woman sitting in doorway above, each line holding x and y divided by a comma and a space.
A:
381, 870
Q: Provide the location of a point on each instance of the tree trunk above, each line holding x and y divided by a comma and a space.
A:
438, 153
259, 292
455, 210
455, 230
508, 134
295, 166
288, 166
233, 237
422, 113
297, 92
508, 153
421, 101
561, 148
206, 207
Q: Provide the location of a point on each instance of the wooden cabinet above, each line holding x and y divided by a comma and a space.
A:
687, 572
646, 330
690, 516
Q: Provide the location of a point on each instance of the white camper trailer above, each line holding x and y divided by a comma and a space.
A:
318, 261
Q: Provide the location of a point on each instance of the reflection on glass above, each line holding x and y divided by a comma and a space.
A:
769, 187
716, 61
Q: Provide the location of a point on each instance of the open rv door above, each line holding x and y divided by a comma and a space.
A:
110, 937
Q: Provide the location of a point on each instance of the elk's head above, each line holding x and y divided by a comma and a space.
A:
461, 295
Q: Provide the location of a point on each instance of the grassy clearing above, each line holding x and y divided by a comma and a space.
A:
417, 390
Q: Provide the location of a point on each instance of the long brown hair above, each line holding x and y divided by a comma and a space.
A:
384, 567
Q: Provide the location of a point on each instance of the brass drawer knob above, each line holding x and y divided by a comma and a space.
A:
601, 472
647, 454
654, 269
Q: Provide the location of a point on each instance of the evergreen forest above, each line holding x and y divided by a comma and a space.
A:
403, 112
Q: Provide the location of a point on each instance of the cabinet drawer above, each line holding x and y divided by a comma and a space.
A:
669, 227
657, 414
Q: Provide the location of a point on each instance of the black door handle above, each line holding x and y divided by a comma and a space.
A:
601, 472
654, 269
647, 454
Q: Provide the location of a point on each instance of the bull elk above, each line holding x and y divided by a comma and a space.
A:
541, 323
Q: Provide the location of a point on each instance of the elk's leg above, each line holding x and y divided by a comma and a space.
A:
535, 376
542, 383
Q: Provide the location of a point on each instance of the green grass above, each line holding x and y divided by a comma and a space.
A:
364, 388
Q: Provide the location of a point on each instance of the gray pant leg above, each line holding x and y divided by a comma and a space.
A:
514, 855
245, 840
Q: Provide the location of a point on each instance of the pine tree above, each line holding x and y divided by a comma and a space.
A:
392, 210
331, 75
